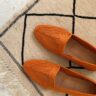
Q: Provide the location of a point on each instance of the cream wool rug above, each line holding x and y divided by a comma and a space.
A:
17, 43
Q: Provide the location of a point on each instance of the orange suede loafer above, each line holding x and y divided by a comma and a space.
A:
53, 76
60, 41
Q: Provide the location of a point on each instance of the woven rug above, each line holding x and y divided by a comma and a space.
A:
17, 43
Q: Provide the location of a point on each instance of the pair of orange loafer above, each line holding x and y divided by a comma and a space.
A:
55, 77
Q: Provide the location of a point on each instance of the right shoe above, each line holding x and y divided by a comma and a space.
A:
55, 77
63, 43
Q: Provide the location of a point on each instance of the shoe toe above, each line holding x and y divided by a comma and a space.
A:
41, 71
51, 37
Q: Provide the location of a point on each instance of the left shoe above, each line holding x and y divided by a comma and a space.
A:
55, 77
63, 43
